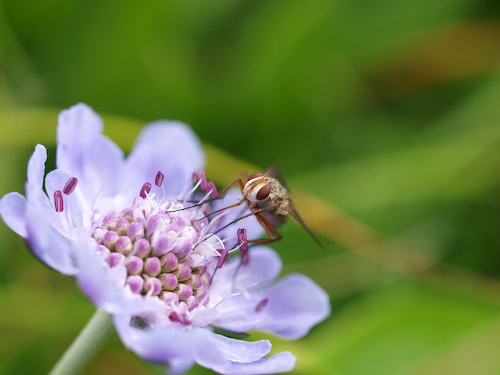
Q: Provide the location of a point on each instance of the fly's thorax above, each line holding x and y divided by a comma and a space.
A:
278, 197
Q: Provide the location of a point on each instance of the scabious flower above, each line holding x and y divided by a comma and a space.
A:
124, 228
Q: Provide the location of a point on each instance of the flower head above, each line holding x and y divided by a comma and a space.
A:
124, 229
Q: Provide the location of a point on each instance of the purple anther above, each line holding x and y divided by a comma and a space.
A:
223, 256
135, 230
261, 304
183, 291
103, 251
110, 239
195, 281
183, 272
169, 281
212, 189
159, 244
135, 265
146, 188
135, 282
58, 201
152, 266
115, 258
201, 292
122, 226
123, 245
152, 286
200, 176
197, 225
169, 262
192, 303
169, 298
159, 178
141, 248
70, 185
243, 243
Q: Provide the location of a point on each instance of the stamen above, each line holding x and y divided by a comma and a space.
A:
146, 188
70, 185
261, 304
243, 243
58, 201
212, 189
207, 187
223, 256
159, 178
200, 176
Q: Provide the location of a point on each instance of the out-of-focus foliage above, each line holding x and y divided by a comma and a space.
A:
386, 113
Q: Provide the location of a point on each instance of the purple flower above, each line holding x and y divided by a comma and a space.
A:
120, 228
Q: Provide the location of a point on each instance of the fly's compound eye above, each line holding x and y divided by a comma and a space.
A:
255, 175
264, 192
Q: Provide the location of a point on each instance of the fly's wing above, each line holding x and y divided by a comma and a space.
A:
274, 172
292, 211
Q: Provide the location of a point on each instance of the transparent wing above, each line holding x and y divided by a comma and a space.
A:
274, 172
292, 211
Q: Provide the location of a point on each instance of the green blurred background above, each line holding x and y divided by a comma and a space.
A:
387, 113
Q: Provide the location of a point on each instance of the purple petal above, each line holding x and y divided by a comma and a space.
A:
169, 147
36, 166
86, 154
161, 344
278, 363
294, 305
46, 242
13, 212
244, 357
43, 224
240, 350
254, 229
264, 267
34, 188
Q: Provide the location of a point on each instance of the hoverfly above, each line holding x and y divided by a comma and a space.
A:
267, 197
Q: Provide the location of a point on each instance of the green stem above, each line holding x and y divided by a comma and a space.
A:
86, 344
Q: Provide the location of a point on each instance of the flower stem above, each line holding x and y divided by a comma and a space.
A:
86, 344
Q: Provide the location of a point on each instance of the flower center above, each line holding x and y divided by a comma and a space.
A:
161, 251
